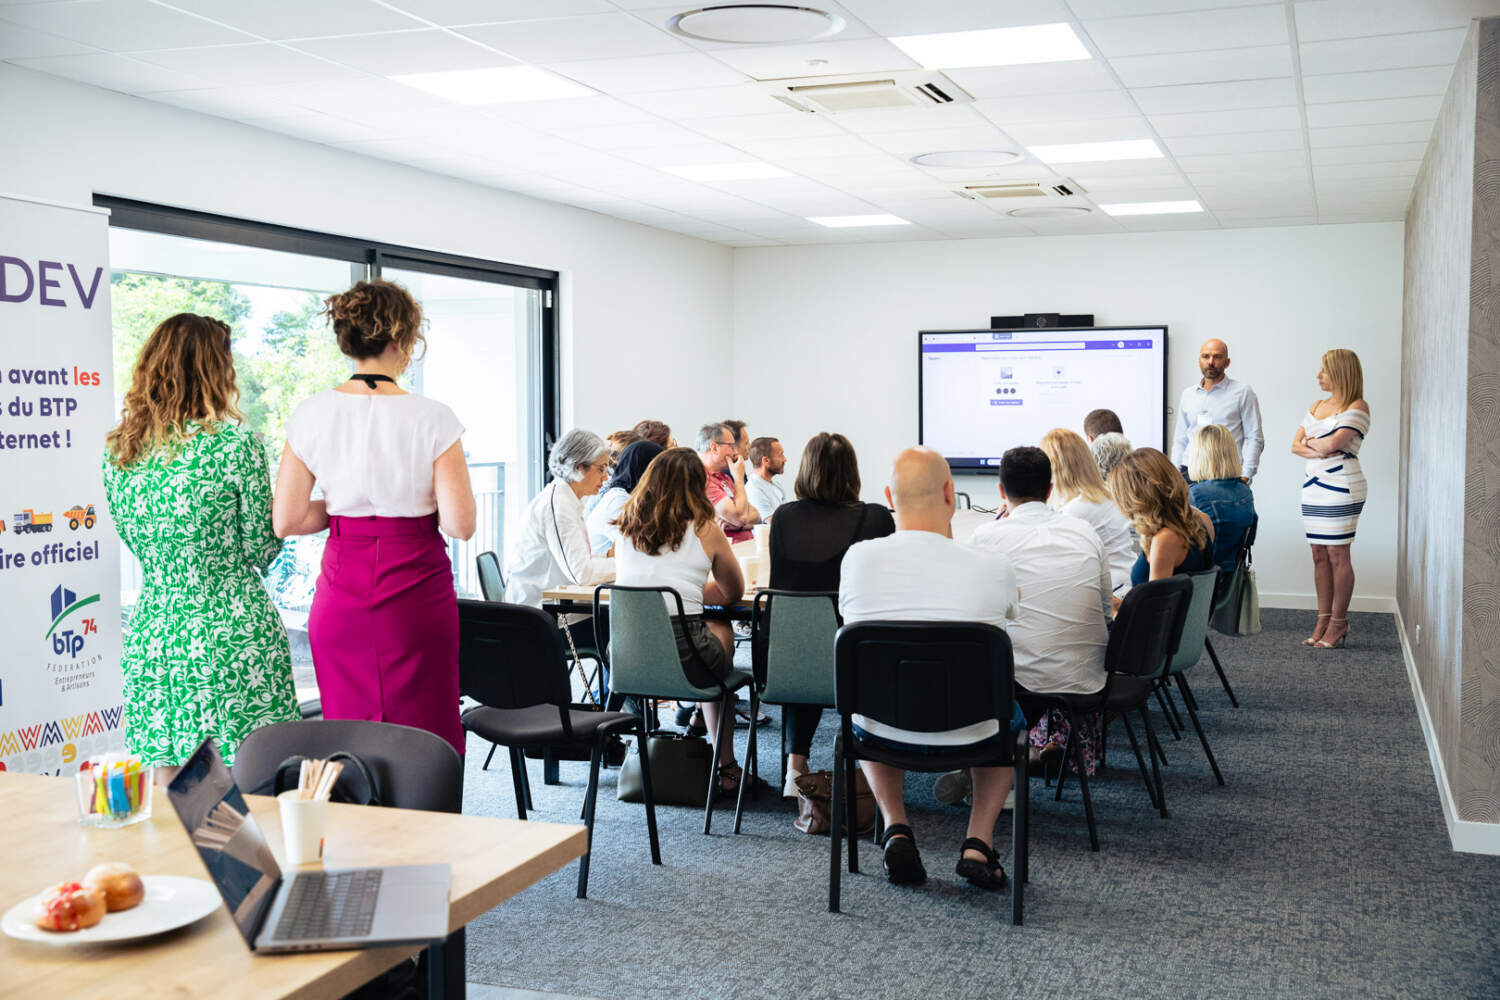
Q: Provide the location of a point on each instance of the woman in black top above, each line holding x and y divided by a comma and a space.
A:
809, 537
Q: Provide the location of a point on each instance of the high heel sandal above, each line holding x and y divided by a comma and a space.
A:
1337, 643
1312, 640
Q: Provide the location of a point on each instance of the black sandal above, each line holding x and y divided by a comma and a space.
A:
903, 865
986, 874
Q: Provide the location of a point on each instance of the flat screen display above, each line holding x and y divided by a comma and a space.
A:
985, 391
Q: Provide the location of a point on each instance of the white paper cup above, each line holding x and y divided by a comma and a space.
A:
762, 534
302, 827
748, 566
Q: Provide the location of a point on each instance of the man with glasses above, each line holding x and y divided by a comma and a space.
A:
719, 450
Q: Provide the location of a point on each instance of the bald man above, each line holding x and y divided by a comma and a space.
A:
921, 574
1219, 399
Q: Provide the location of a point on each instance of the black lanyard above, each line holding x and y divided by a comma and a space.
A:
370, 378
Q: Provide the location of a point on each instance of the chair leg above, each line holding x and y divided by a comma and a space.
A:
1018, 843
1023, 813
525, 777
785, 725
1062, 768
490, 756
1076, 742
747, 772
1187, 697
851, 813
646, 793
1139, 760
551, 774
726, 715
835, 830
596, 756
1161, 791
1219, 668
1161, 702
517, 772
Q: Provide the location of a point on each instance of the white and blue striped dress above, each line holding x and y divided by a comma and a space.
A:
1334, 493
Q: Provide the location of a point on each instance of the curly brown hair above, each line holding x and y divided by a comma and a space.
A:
1153, 495
185, 373
669, 498
373, 315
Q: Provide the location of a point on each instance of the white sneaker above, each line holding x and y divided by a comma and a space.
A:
953, 787
789, 789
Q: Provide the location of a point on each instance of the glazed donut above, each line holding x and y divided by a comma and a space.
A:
69, 906
120, 884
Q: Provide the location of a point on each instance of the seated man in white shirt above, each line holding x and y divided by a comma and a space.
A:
921, 574
767, 461
1061, 634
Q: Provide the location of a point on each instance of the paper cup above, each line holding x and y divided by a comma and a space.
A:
762, 534
302, 827
748, 566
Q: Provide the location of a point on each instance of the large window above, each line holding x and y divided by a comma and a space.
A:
491, 350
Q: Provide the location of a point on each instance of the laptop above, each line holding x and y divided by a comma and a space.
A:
308, 910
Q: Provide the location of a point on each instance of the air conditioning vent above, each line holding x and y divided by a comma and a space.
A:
1020, 189
832, 95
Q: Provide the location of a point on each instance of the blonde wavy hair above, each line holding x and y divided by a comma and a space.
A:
1153, 495
1212, 454
1074, 471
1347, 376
185, 373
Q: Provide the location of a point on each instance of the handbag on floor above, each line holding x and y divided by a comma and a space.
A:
679, 770
815, 800
1238, 610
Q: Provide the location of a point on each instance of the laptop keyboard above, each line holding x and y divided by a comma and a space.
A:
323, 905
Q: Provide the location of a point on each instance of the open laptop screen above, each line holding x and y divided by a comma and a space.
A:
233, 850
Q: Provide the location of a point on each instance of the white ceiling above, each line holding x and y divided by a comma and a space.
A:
1285, 113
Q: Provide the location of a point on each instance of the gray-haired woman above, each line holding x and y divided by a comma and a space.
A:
1109, 449
553, 548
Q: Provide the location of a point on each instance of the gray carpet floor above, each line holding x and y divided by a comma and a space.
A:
1321, 869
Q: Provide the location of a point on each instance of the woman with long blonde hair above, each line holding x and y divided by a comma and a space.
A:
1079, 490
1333, 489
205, 652
1175, 537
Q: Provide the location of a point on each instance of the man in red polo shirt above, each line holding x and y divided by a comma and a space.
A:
725, 467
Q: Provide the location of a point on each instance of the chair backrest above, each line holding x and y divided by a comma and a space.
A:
642, 653
794, 665
491, 580
511, 656
1147, 627
414, 768
1195, 624
924, 676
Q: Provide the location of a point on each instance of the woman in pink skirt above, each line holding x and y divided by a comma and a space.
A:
384, 621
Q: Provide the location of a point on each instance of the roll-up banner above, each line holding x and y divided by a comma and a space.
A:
60, 684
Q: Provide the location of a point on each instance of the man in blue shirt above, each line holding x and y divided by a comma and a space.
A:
1219, 399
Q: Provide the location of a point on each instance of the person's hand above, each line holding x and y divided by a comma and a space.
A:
1117, 602
1245, 480
737, 470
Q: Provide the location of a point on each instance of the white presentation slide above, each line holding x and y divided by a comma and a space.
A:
985, 391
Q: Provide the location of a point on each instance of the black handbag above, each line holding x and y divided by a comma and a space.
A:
679, 770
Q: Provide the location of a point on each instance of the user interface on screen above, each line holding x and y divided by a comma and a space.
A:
985, 391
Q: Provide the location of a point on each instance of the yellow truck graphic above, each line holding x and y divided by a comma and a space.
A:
82, 514
29, 520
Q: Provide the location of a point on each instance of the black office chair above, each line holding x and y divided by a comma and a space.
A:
511, 661
413, 768
1146, 631
925, 677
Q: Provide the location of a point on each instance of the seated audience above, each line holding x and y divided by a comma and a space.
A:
603, 532
1219, 490
1109, 449
553, 549
740, 431
1100, 422
1063, 568
656, 432
809, 538
668, 538
725, 478
921, 574
1079, 490
767, 461
617, 443
1175, 538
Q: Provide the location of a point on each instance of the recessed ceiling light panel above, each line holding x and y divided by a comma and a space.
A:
756, 23
1049, 211
855, 221
1152, 207
495, 85
1036, 43
967, 158
710, 172
1096, 152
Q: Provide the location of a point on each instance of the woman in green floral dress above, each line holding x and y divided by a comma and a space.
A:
206, 654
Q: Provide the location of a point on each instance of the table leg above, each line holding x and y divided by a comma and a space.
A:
446, 978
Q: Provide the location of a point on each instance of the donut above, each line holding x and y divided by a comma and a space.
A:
120, 884
69, 906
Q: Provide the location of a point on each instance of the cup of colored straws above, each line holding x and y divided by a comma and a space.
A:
304, 809
113, 791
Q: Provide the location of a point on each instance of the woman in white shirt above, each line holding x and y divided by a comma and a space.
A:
604, 534
553, 549
1079, 490
384, 620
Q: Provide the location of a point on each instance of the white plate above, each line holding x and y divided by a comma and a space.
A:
172, 901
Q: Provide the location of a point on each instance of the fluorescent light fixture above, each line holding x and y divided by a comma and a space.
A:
1036, 43
1151, 207
728, 171
495, 85
1095, 152
853, 221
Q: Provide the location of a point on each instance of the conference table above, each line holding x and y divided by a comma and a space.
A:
43, 844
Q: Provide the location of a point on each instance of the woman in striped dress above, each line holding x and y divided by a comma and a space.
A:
1333, 493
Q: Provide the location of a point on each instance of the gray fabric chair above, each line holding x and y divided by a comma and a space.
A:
491, 579
792, 650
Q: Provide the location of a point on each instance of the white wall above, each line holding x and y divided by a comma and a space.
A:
825, 340
625, 286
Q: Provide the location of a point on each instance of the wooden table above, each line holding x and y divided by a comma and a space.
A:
579, 599
42, 844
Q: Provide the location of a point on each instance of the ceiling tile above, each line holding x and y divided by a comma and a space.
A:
259, 64
911, 143
17, 42
1188, 31
281, 19
246, 102
400, 52
691, 154
1088, 130
1163, 223
1280, 92
1375, 188
775, 62
638, 135
902, 17
1354, 55
710, 102
1369, 135
1268, 159
1234, 142
1426, 81
1212, 66
571, 112
315, 127
1326, 19
1279, 177
565, 39
1036, 78
1094, 173
1257, 220
1088, 9
810, 147
451, 12
906, 119
1290, 198
647, 73
784, 125
122, 25
1390, 152
1082, 226
1400, 109
112, 72
1219, 122
1006, 111
1406, 170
